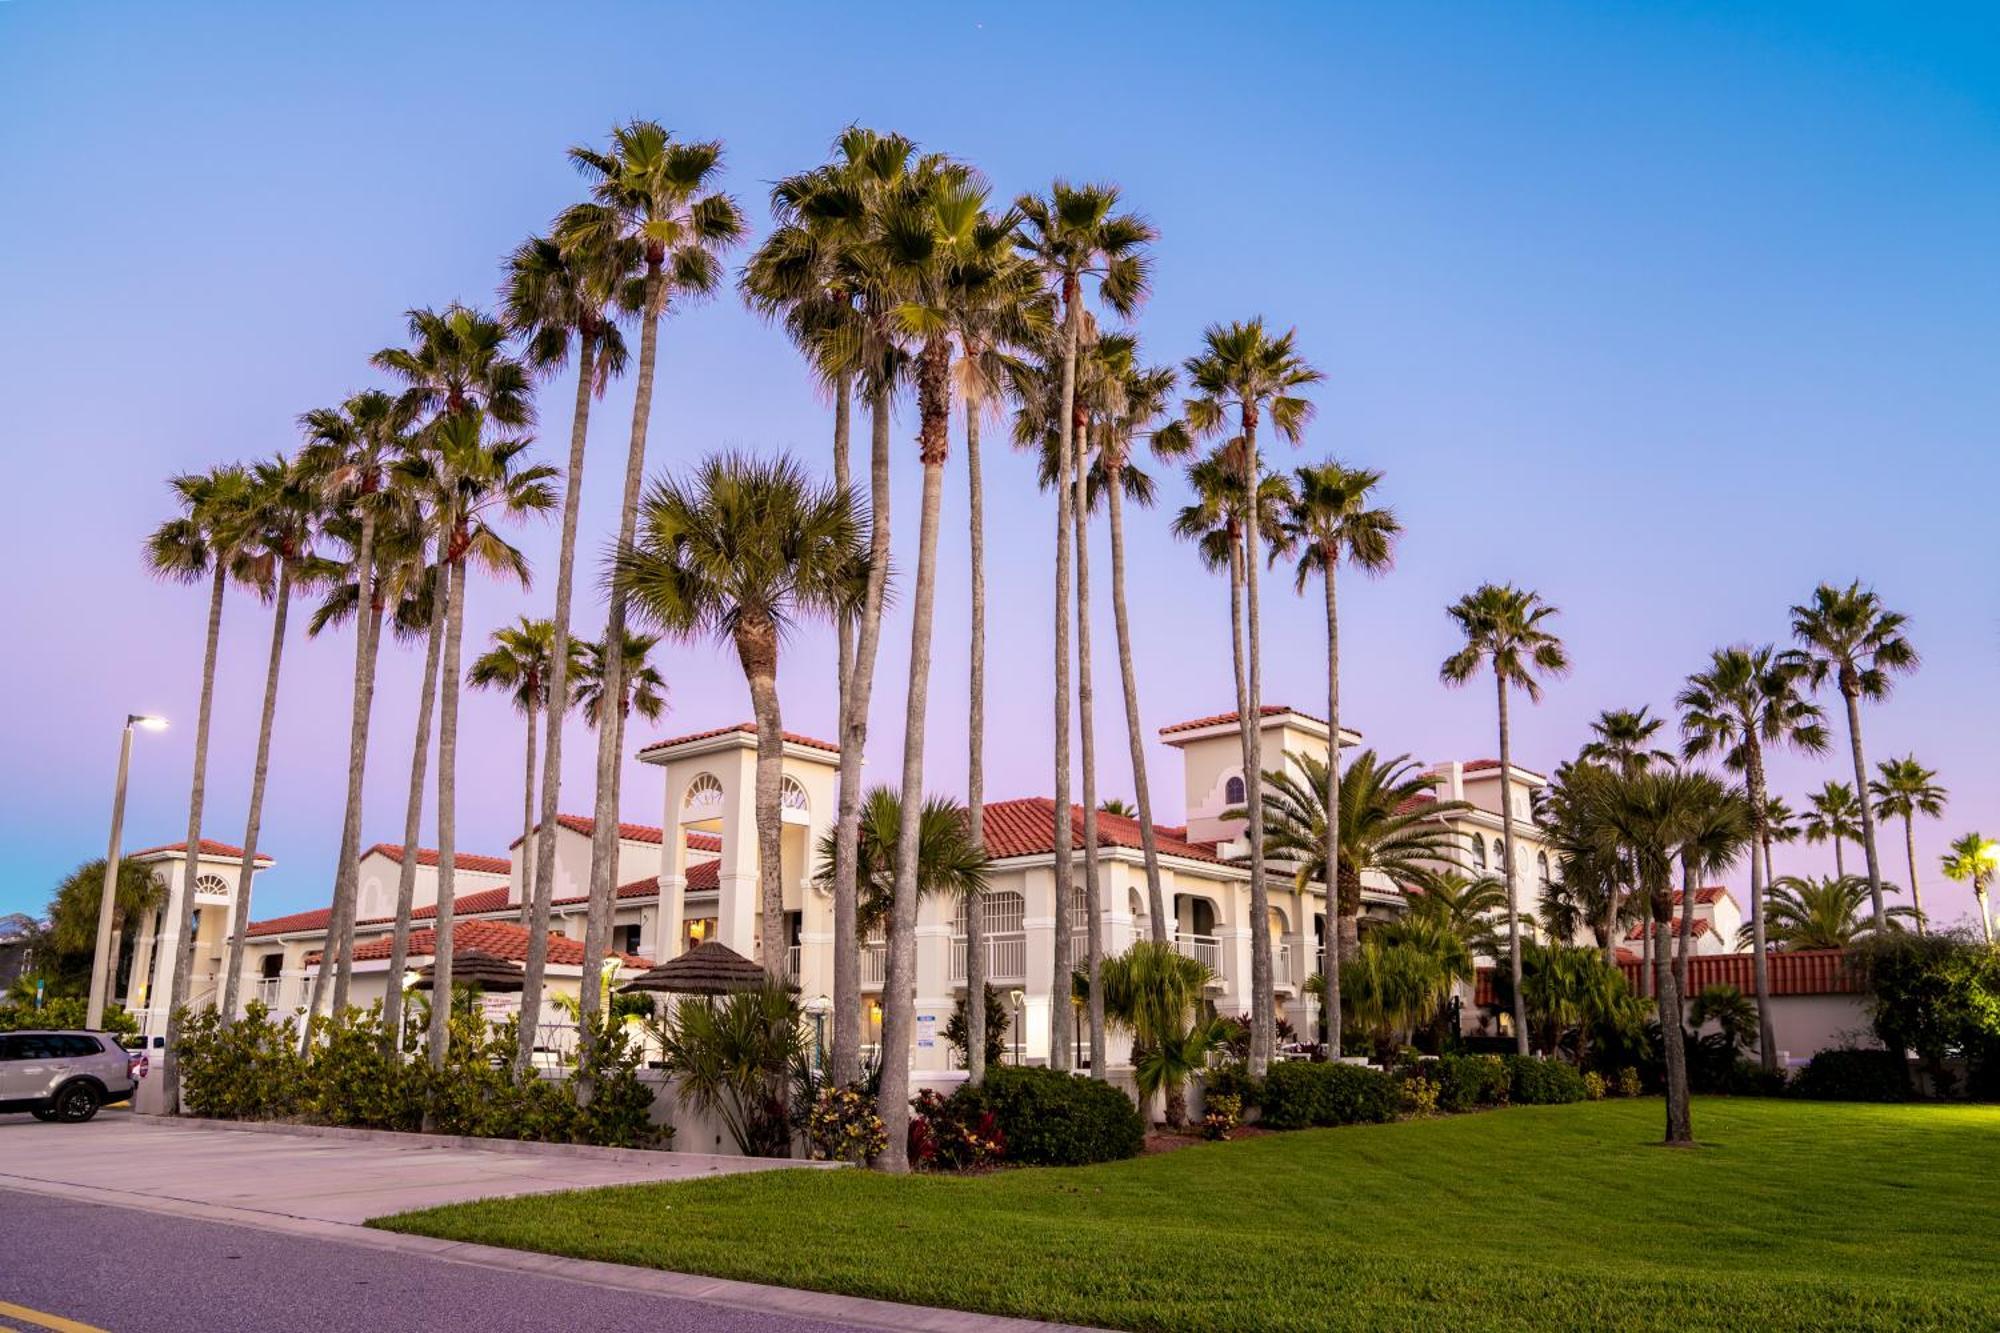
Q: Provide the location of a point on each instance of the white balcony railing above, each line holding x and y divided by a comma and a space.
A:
792, 962
1204, 949
1281, 965
874, 963
1006, 958
269, 991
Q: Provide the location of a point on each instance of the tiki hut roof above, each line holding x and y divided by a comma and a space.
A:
476, 967
710, 968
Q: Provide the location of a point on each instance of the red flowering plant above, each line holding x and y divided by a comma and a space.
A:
946, 1135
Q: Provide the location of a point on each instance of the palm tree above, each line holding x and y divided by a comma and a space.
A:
1835, 818
1824, 913
1905, 790
641, 687
1160, 995
283, 517
1594, 880
655, 198
205, 540
475, 481
1622, 738
1463, 904
1746, 699
1074, 234
743, 551
1214, 522
1716, 826
950, 864
522, 663
1402, 975
1332, 519
349, 450
1971, 861
1245, 372
1505, 627
555, 296
1846, 634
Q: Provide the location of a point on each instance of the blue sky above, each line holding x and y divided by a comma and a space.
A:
1668, 311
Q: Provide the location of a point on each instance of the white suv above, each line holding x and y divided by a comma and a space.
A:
63, 1075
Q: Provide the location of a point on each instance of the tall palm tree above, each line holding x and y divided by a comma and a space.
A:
476, 481
1074, 234
743, 550
950, 864
1622, 738
1463, 904
1716, 828
654, 196
1825, 913
1781, 824
1848, 636
349, 450
1835, 818
1590, 875
1333, 519
1241, 376
1905, 790
641, 687
1506, 628
284, 518
1748, 698
556, 296
1214, 522
205, 540
521, 662
1971, 861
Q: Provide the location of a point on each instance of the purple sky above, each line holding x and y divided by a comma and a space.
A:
1669, 312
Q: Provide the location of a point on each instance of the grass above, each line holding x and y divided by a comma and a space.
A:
1793, 1215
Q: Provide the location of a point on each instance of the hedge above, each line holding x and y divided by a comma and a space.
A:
1051, 1118
1855, 1076
1298, 1094
1534, 1081
1469, 1081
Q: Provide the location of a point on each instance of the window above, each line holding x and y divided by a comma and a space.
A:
271, 965
1079, 908
999, 913
625, 939
791, 796
1232, 791
1478, 852
1499, 856
704, 793
213, 885
1542, 867
68, 1046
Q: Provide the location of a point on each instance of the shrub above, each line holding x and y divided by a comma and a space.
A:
1050, 1118
843, 1126
1629, 1083
620, 1111
1855, 1076
247, 1070
1232, 1078
1420, 1097
1539, 1082
1594, 1086
949, 1134
1468, 1081
1221, 1114
64, 1011
955, 1031
352, 1080
1298, 1094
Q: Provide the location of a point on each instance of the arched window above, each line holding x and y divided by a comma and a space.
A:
791, 796
1232, 791
213, 885
1499, 856
703, 794
1542, 867
1478, 852
1000, 913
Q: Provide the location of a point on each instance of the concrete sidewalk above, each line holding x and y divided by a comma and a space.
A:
339, 1176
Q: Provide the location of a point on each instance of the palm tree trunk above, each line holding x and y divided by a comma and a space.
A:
610, 732
1507, 868
1680, 1124
757, 650
1839, 856
339, 943
1910, 848
1142, 788
899, 985
1652, 988
1086, 720
543, 851
975, 768
240, 912
1612, 903
1760, 963
1867, 807
447, 813
1262, 1028
413, 817
1336, 910
1690, 882
853, 738
1985, 917
843, 429
177, 952
1061, 1049
528, 821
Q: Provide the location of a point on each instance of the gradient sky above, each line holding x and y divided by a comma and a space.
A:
1668, 311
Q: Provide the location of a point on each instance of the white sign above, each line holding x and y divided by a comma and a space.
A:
926, 1031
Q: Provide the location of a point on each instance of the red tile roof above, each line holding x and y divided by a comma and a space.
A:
209, 847
1219, 719
428, 856
1028, 828
1805, 972
1489, 765
465, 904
1713, 893
584, 824
502, 939
745, 727
1638, 931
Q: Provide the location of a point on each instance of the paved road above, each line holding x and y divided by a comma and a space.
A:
137, 1272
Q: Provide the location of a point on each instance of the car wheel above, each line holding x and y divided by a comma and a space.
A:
43, 1113
76, 1103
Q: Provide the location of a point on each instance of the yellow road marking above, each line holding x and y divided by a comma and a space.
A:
54, 1322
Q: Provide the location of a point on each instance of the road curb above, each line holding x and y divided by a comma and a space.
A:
856, 1311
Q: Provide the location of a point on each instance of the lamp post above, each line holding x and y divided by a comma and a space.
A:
818, 1007
100, 963
1019, 998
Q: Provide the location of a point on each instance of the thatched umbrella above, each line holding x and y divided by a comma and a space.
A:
710, 968
476, 967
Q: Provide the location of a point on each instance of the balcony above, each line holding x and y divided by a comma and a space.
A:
269, 992
792, 962
1204, 949
1006, 958
1281, 966
874, 963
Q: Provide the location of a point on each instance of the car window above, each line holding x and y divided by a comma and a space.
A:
76, 1047
25, 1046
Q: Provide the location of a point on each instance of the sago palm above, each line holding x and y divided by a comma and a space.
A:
1905, 790
1506, 629
1824, 912
1333, 520
1243, 376
1847, 636
743, 551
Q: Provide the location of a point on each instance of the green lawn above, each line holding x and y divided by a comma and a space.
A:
1794, 1215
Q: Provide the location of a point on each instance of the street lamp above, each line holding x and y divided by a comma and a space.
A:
818, 1007
100, 963
1019, 997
